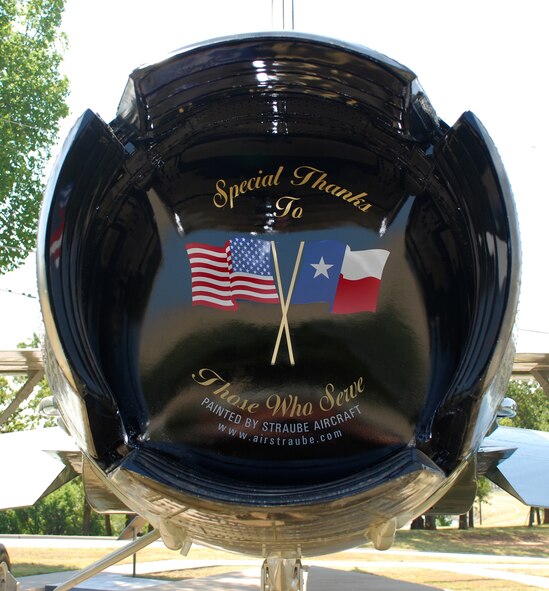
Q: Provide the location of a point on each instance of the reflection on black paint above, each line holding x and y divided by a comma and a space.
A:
389, 175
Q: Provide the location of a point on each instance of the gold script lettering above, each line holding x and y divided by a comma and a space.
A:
209, 377
328, 401
286, 204
289, 405
318, 179
227, 194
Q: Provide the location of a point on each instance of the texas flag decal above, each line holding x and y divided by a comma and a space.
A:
349, 280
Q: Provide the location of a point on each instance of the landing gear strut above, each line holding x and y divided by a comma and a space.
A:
282, 574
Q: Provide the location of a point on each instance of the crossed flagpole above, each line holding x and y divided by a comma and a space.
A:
355, 289
285, 303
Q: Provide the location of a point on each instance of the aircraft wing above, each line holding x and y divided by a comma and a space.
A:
32, 463
30, 466
517, 460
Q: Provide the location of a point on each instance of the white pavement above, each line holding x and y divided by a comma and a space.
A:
317, 579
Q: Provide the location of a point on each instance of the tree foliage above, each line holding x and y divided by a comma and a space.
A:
32, 101
484, 488
27, 415
61, 513
532, 406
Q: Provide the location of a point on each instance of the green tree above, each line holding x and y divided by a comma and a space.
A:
484, 489
61, 513
532, 405
32, 101
27, 415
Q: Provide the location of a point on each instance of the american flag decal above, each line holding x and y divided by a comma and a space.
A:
239, 270
210, 276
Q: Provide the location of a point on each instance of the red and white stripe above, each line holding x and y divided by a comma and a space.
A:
248, 287
210, 276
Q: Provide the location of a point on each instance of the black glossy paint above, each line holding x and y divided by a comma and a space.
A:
188, 393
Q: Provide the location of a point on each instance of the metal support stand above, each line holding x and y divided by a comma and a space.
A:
109, 560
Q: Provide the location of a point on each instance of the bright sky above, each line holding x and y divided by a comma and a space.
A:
486, 56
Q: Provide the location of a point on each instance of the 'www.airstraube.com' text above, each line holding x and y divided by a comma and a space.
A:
284, 441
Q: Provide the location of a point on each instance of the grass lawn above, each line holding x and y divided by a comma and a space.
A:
522, 541
454, 581
497, 542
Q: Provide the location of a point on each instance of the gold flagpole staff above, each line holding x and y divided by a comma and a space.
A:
285, 304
